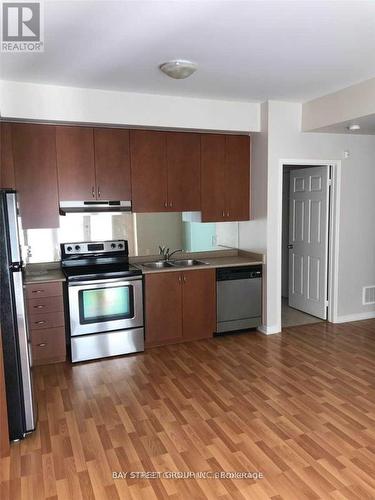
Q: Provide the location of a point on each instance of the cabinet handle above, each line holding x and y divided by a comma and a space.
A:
223, 213
37, 291
39, 322
228, 214
39, 307
98, 191
184, 279
171, 204
93, 191
165, 204
42, 344
179, 278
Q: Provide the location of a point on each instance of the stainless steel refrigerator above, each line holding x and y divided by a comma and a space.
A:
16, 343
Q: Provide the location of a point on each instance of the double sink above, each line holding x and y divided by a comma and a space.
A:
163, 264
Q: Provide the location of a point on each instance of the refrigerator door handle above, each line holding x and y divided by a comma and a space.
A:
15, 249
24, 352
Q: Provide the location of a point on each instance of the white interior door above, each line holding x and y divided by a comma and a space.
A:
308, 240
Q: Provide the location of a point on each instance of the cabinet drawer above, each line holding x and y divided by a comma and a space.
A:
39, 290
46, 320
45, 304
48, 346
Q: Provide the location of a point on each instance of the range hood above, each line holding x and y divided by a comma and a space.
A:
94, 207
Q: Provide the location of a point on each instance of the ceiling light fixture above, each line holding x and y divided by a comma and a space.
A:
355, 126
179, 68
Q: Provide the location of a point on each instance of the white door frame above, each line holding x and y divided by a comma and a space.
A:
334, 224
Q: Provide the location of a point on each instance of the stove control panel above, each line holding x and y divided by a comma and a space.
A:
94, 247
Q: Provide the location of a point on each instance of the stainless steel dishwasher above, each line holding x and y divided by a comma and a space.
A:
239, 298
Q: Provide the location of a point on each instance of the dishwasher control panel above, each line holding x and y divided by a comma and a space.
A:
239, 273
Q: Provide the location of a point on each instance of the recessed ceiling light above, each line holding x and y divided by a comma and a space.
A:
179, 68
355, 126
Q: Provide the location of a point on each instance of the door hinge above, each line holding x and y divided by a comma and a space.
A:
329, 182
327, 303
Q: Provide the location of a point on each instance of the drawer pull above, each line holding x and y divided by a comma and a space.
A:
38, 307
42, 344
37, 291
41, 322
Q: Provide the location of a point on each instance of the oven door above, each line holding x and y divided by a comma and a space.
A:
105, 305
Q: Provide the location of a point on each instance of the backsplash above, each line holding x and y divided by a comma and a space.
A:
144, 232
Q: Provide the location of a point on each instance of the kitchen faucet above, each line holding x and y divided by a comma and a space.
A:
166, 253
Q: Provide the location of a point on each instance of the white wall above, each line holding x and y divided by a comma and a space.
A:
69, 104
346, 104
357, 235
252, 234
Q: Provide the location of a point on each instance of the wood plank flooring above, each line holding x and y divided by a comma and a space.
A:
298, 407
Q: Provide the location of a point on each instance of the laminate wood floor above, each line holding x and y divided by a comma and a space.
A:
298, 407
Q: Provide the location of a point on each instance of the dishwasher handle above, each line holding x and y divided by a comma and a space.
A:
238, 273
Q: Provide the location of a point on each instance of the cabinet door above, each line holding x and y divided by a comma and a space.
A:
75, 163
163, 297
7, 179
34, 150
237, 177
213, 177
183, 159
148, 171
199, 304
4, 429
112, 164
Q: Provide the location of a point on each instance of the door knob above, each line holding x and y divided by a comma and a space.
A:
290, 246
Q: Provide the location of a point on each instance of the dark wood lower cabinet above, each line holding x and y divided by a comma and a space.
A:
199, 304
163, 308
180, 306
45, 306
4, 432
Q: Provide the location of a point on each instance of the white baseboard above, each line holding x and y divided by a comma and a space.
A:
269, 330
355, 317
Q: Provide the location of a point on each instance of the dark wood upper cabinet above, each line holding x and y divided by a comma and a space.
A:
163, 306
34, 152
183, 160
225, 174
237, 177
213, 177
148, 171
112, 164
199, 304
75, 163
7, 178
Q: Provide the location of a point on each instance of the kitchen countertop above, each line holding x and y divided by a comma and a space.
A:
209, 263
50, 271
39, 273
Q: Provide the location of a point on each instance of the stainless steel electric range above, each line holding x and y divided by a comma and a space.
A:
105, 299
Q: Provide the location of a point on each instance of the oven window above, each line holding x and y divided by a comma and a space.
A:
106, 304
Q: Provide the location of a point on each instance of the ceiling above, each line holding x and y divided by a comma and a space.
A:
246, 50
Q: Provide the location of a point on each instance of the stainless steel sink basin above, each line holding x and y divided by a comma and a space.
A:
187, 263
160, 264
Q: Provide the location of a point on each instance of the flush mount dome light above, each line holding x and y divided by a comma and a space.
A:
179, 69
355, 126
